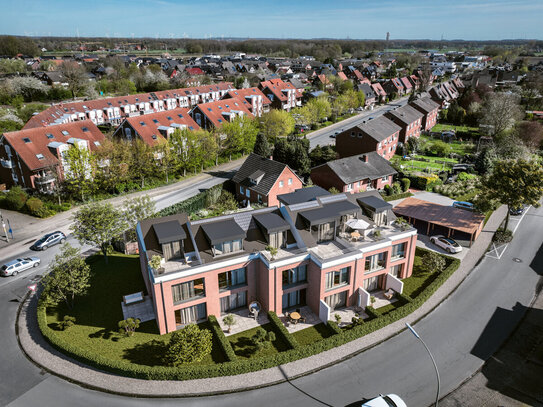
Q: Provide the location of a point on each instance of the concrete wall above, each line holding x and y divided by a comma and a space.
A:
394, 283
363, 298
324, 311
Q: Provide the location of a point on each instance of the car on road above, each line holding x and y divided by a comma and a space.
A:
13, 267
336, 133
389, 400
463, 205
517, 211
446, 243
49, 240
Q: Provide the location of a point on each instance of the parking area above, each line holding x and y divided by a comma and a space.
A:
424, 242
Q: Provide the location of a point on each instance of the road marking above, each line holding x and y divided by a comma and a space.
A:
497, 251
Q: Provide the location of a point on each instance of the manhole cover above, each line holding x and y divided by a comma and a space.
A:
517, 260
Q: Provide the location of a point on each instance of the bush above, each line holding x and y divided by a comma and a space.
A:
406, 183
502, 236
396, 188
189, 344
224, 343
128, 326
464, 176
15, 199
372, 313
66, 322
388, 190
334, 327
34, 206
397, 196
424, 182
191, 205
433, 261
284, 334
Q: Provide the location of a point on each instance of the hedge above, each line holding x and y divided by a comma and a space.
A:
403, 195
424, 182
225, 344
334, 327
188, 206
282, 330
372, 312
238, 366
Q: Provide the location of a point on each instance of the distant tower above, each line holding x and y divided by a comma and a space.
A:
388, 37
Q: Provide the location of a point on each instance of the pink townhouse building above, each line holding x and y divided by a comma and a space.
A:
409, 119
430, 111
218, 265
354, 174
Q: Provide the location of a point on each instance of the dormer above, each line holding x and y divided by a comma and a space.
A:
170, 236
256, 177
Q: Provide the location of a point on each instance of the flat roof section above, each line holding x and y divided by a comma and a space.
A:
223, 231
170, 231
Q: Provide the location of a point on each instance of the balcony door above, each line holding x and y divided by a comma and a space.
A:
335, 301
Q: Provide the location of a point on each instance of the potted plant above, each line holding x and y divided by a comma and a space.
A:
273, 251
377, 234
372, 300
338, 318
229, 320
155, 263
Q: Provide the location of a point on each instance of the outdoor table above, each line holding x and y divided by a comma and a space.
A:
295, 317
355, 235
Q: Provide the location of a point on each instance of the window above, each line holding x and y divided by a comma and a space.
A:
248, 193
396, 270
398, 251
242, 190
65, 132
142, 123
180, 115
295, 276
155, 120
232, 278
227, 247
190, 315
49, 135
259, 197
352, 134
85, 129
293, 299
337, 278
335, 301
234, 301
281, 183
290, 181
188, 291
172, 250
40, 156
385, 178
375, 262
278, 239
27, 140
349, 187
97, 143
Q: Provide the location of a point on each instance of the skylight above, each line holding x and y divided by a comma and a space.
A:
40, 156
65, 132
142, 123
49, 135
84, 129
27, 140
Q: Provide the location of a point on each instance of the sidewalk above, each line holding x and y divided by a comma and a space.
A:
27, 227
38, 350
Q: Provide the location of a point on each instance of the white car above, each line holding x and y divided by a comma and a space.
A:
446, 243
13, 267
390, 400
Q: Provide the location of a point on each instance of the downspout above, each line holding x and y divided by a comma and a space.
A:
275, 288
164, 306
354, 277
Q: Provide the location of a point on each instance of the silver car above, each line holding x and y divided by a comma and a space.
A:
446, 243
13, 267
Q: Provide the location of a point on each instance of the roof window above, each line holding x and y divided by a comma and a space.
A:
40, 156
49, 135
65, 132
27, 140
84, 128
153, 136
142, 123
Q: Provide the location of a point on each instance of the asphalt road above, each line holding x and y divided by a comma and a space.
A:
462, 332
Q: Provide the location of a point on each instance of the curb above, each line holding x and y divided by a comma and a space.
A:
271, 374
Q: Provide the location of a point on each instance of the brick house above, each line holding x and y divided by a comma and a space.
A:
260, 180
29, 157
283, 95
394, 87
214, 114
354, 174
409, 119
407, 85
154, 127
379, 135
379, 92
258, 102
369, 93
220, 265
430, 111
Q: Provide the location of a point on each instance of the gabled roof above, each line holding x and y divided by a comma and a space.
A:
406, 114
352, 169
276, 86
367, 90
378, 89
272, 170
29, 143
342, 76
249, 92
147, 126
217, 112
405, 82
425, 105
379, 128
302, 195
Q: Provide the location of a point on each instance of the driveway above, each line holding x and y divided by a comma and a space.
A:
424, 242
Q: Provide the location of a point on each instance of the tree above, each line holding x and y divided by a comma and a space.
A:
189, 344
276, 124
262, 339
112, 164
319, 109
514, 183
76, 77
433, 262
484, 161
67, 322
142, 160
128, 326
500, 112
97, 224
229, 320
165, 158
531, 133
78, 171
240, 135
26, 86
262, 147
138, 209
320, 155
68, 277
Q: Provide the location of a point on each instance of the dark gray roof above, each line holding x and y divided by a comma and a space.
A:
379, 128
272, 170
223, 231
374, 203
425, 105
406, 114
367, 89
329, 211
170, 231
352, 169
302, 195
272, 222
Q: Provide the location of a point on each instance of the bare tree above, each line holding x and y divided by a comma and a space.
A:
500, 112
76, 76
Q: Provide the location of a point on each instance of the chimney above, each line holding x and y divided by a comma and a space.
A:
364, 158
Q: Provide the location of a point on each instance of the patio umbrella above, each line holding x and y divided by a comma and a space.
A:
358, 224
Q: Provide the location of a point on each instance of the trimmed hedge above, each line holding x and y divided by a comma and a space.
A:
238, 366
403, 195
334, 327
372, 312
225, 344
282, 330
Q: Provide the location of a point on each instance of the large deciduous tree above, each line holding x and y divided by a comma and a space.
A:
240, 135
500, 112
76, 77
276, 124
78, 171
98, 224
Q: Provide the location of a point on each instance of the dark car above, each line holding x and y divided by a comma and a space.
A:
516, 211
49, 240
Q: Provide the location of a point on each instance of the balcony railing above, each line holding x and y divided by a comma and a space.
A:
7, 163
45, 179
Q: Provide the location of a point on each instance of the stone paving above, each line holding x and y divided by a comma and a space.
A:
243, 321
143, 311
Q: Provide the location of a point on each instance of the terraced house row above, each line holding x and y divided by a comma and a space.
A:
333, 251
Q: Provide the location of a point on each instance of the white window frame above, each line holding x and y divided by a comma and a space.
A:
281, 184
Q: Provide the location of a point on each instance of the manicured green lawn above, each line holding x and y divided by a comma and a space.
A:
390, 307
439, 127
244, 348
98, 313
420, 278
312, 334
422, 165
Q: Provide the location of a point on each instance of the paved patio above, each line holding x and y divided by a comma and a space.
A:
244, 322
142, 310
381, 300
310, 320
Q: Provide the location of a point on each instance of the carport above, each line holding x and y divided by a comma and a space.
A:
442, 219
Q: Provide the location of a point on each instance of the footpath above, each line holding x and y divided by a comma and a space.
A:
38, 350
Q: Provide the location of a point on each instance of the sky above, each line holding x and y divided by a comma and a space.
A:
356, 19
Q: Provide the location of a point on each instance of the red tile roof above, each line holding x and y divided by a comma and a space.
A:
358, 75
342, 76
405, 82
276, 86
194, 71
378, 89
28, 143
244, 93
214, 110
147, 125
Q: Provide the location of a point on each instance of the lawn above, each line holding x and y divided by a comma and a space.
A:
423, 165
457, 147
440, 127
420, 278
98, 313
244, 348
312, 334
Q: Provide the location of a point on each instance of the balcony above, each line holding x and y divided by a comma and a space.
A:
45, 179
6, 163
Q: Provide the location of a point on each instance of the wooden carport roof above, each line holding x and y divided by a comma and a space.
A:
447, 216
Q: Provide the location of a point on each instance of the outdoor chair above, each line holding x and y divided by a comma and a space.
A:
389, 294
302, 319
298, 310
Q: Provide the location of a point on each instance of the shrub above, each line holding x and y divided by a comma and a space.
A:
396, 188
15, 198
397, 196
433, 261
406, 183
262, 339
464, 176
189, 344
371, 312
66, 322
229, 320
284, 334
34, 206
128, 326
424, 182
502, 236
224, 343
388, 190
334, 327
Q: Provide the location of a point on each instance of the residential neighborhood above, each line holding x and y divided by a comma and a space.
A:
283, 205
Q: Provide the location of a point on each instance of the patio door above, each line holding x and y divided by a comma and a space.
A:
372, 283
338, 300
190, 315
326, 231
293, 299
396, 270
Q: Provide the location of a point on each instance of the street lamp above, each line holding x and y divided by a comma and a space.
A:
429, 353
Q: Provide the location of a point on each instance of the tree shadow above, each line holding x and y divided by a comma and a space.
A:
105, 333
151, 353
244, 347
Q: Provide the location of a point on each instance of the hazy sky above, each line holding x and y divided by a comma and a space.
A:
457, 19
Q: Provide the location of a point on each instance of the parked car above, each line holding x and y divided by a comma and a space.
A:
49, 240
390, 400
446, 243
12, 268
517, 211
464, 205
